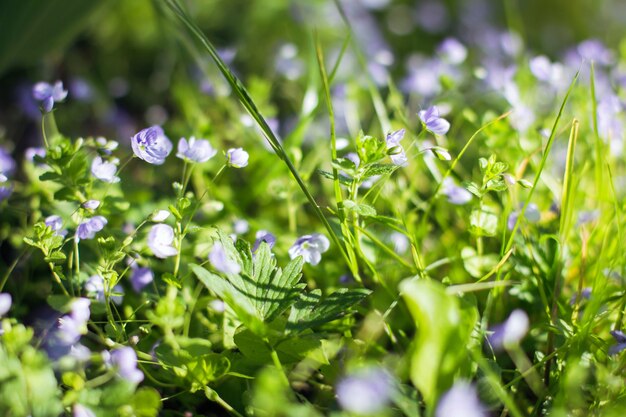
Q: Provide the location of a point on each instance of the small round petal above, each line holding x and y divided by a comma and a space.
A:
240, 226
42, 90
365, 392
160, 241
264, 236
151, 145
430, 118
456, 195
95, 287
160, 216
7, 163
5, 303
310, 247
124, 360
91, 204
196, 150
104, 171
54, 222
82, 411
460, 401
237, 158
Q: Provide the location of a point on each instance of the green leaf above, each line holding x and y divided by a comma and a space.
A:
483, 222
146, 402
378, 169
443, 332
309, 311
361, 209
329, 175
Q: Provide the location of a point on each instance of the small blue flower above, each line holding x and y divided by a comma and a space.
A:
124, 360
430, 118
366, 391
532, 214
452, 51
91, 204
237, 157
55, 223
264, 236
88, 228
456, 195
310, 247
47, 94
511, 332
397, 154
82, 411
196, 150
140, 278
241, 226
461, 400
151, 145
5, 303
72, 326
160, 241
104, 171
220, 260
7, 163
620, 338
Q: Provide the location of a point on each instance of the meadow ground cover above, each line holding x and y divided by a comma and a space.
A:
312, 208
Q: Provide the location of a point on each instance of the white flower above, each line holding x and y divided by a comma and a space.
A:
160, 241
310, 247
104, 171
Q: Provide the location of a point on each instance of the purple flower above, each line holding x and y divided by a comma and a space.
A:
151, 145
620, 338
199, 150
220, 260
140, 278
264, 236
160, 241
160, 216
30, 153
104, 171
590, 216
430, 118
240, 226
452, 51
7, 163
456, 195
88, 228
310, 247
73, 325
366, 391
91, 204
47, 94
511, 332
354, 157
124, 360
237, 158
5, 303
532, 214
397, 154
95, 287
460, 401
55, 223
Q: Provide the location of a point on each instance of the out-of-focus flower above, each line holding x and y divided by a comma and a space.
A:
461, 401
452, 51
365, 392
80, 89
456, 195
88, 228
532, 214
55, 223
91, 204
620, 339
590, 216
264, 236
81, 411
151, 145
95, 287
140, 278
397, 154
310, 247
548, 72
240, 226
47, 94
7, 163
237, 157
160, 216
30, 153
195, 150
5, 303
73, 325
220, 260
104, 171
595, 50
431, 120
354, 157
160, 241
400, 242
511, 332
124, 360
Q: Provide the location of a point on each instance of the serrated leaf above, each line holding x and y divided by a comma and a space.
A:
361, 209
306, 313
378, 169
483, 222
342, 179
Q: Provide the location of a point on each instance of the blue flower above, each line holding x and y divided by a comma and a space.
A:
461, 401
620, 338
140, 278
396, 151
220, 260
430, 118
366, 391
511, 332
7, 163
151, 145
237, 158
87, 229
264, 236
91, 204
310, 247
73, 325
196, 150
124, 360
47, 94
82, 411
160, 241
104, 171
55, 223
456, 195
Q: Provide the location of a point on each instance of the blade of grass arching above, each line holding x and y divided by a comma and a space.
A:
596, 132
618, 219
379, 104
250, 106
566, 196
